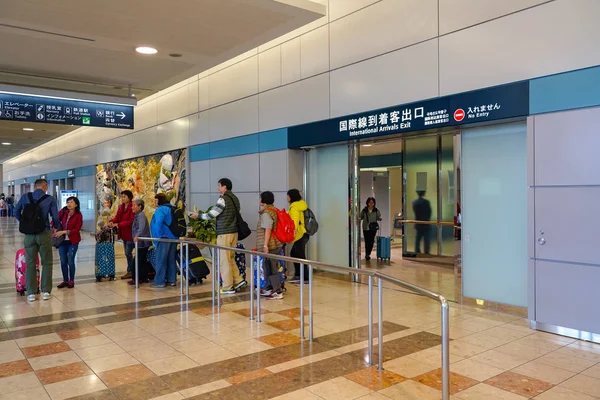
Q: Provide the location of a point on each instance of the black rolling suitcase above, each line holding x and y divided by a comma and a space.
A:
198, 269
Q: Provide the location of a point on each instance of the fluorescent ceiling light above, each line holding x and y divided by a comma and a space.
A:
367, 145
6, 144
27, 129
146, 50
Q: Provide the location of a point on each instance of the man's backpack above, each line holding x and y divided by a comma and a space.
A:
285, 230
177, 226
32, 221
310, 222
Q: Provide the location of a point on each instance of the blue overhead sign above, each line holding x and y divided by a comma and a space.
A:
24, 108
508, 101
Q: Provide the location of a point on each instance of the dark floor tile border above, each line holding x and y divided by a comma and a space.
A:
321, 371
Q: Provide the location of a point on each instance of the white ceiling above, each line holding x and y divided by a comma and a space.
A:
89, 47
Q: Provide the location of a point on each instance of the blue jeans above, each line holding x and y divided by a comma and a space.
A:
67, 252
129, 246
11, 210
166, 266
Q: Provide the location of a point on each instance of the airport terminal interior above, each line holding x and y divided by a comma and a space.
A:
422, 173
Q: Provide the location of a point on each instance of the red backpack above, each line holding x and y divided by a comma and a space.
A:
285, 231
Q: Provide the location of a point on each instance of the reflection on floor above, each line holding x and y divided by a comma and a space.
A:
109, 341
433, 273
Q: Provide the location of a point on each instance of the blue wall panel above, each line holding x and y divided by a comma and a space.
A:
567, 91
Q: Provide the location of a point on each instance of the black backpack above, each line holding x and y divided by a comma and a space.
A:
178, 226
310, 222
32, 221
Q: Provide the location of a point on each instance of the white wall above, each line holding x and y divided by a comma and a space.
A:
364, 54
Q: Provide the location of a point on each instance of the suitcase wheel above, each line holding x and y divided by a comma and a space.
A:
98, 279
111, 278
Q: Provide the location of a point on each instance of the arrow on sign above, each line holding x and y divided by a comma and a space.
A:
122, 115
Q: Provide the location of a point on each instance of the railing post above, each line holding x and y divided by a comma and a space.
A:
445, 349
370, 306
218, 268
252, 286
380, 323
258, 318
137, 262
301, 301
310, 303
187, 270
180, 267
214, 277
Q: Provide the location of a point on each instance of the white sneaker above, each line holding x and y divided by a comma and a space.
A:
46, 296
31, 298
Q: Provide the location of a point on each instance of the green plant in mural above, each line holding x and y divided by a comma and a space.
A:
203, 230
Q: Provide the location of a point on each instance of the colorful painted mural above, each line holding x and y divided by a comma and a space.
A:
144, 176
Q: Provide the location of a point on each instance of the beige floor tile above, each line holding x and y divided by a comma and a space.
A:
11, 355
90, 341
287, 365
411, 390
171, 396
487, 392
501, 332
227, 337
521, 350
75, 387
475, 370
105, 350
338, 389
28, 394
544, 372
18, 383
585, 353
211, 355
247, 347
594, 371
54, 360
500, 360
142, 343
433, 356
192, 345
8, 345
540, 343
206, 388
463, 349
374, 396
573, 364
483, 340
583, 384
38, 340
177, 336
170, 365
111, 362
561, 393
408, 367
301, 394
154, 354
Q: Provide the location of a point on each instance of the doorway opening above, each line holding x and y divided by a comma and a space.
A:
415, 182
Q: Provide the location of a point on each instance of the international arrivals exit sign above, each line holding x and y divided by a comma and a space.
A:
50, 110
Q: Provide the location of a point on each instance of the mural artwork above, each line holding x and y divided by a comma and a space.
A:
144, 176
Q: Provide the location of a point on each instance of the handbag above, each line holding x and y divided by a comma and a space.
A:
243, 229
58, 241
373, 226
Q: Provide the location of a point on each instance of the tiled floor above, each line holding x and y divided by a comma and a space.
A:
107, 341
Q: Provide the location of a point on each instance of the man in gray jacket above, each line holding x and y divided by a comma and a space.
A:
140, 228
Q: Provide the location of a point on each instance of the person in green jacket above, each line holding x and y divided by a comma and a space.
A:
296, 211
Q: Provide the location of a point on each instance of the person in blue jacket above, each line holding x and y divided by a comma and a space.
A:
166, 253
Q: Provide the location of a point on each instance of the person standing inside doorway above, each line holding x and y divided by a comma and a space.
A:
370, 217
296, 211
33, 212
422, 210
225, 212
124, 221
10, 200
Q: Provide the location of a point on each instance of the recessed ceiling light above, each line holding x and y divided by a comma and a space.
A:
27, 129
5, 143
367, 145
146, 50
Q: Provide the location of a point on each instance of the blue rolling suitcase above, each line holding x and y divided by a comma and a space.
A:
261, 280
105, 261
384, 248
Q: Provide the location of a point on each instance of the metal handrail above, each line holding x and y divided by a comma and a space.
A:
329, 267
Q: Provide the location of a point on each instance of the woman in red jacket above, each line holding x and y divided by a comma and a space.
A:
124, 222
71, 220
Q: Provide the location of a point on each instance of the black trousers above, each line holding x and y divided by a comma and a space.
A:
423, 233
143, 266
271, 268
369, 241
299, 251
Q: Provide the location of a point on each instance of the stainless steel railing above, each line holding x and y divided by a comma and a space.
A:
216, 295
